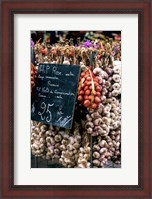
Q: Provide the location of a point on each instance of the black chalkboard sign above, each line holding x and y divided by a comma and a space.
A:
55, 93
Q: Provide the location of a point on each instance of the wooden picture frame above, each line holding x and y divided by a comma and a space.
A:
144, 10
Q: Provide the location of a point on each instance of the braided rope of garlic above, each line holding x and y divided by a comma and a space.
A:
93, 88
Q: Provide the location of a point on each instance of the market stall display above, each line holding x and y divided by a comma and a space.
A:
94, 138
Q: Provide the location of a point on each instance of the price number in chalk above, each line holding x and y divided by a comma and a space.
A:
46, 112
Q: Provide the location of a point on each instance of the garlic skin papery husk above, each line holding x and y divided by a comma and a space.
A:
108, 114
53, 141
106, 120
104, 123
107, 148
70, 146
38, 139
84, 153
45, 140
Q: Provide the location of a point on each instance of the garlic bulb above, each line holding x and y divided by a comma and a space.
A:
38, 143
70, 146
84, 153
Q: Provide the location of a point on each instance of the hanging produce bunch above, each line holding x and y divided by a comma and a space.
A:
33, 75
89, 90
97, 115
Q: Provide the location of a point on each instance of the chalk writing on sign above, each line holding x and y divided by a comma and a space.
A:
46, 111
55, 94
